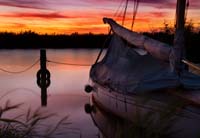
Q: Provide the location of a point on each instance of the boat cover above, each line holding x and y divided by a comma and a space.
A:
123, 69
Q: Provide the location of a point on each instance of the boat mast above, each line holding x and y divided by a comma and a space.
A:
179, 47
157, 49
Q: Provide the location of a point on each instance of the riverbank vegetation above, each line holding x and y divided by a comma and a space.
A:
30, 124
32, 40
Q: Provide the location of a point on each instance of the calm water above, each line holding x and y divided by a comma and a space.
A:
66, 94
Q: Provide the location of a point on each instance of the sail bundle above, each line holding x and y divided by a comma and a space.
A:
125, 70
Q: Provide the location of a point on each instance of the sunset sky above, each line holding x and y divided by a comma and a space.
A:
84, 16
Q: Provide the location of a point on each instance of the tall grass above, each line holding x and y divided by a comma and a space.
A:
30, 124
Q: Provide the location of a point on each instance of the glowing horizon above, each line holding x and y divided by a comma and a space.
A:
85, 16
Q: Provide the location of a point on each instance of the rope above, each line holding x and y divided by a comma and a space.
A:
22, 71
191, 65
187, 7
116, 13
69, 64
135, 9
104, 44
120, 14
125, 10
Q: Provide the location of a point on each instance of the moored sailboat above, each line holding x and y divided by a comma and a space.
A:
127, 80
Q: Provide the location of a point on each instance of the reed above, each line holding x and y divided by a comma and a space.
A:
30, 124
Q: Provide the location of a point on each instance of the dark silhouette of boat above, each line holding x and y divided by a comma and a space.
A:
139, 75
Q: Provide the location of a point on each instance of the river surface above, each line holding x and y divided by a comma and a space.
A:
66, 96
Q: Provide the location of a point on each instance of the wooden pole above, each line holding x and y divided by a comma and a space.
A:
179, 41
43, 59
43, 77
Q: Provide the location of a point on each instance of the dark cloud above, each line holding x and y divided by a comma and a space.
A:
153, 3
42, 4
194, 4
54, 15
33, 4
158, 14
161, 4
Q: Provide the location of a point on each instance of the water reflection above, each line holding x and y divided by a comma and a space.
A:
110, 126
175, 119
43, 77
65, 96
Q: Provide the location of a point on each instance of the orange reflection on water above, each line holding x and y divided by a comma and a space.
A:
66, 94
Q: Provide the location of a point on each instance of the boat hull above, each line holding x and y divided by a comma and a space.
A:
128, 107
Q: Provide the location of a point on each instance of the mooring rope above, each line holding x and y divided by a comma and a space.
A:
69, 64
22, 71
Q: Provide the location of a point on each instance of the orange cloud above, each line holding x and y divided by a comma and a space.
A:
84, 16
32, 4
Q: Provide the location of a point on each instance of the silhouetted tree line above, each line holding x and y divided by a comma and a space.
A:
192, 40
32, 40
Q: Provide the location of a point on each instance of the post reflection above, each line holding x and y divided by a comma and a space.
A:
43, 77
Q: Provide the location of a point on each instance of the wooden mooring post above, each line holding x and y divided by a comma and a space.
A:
43, 77
179, 39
